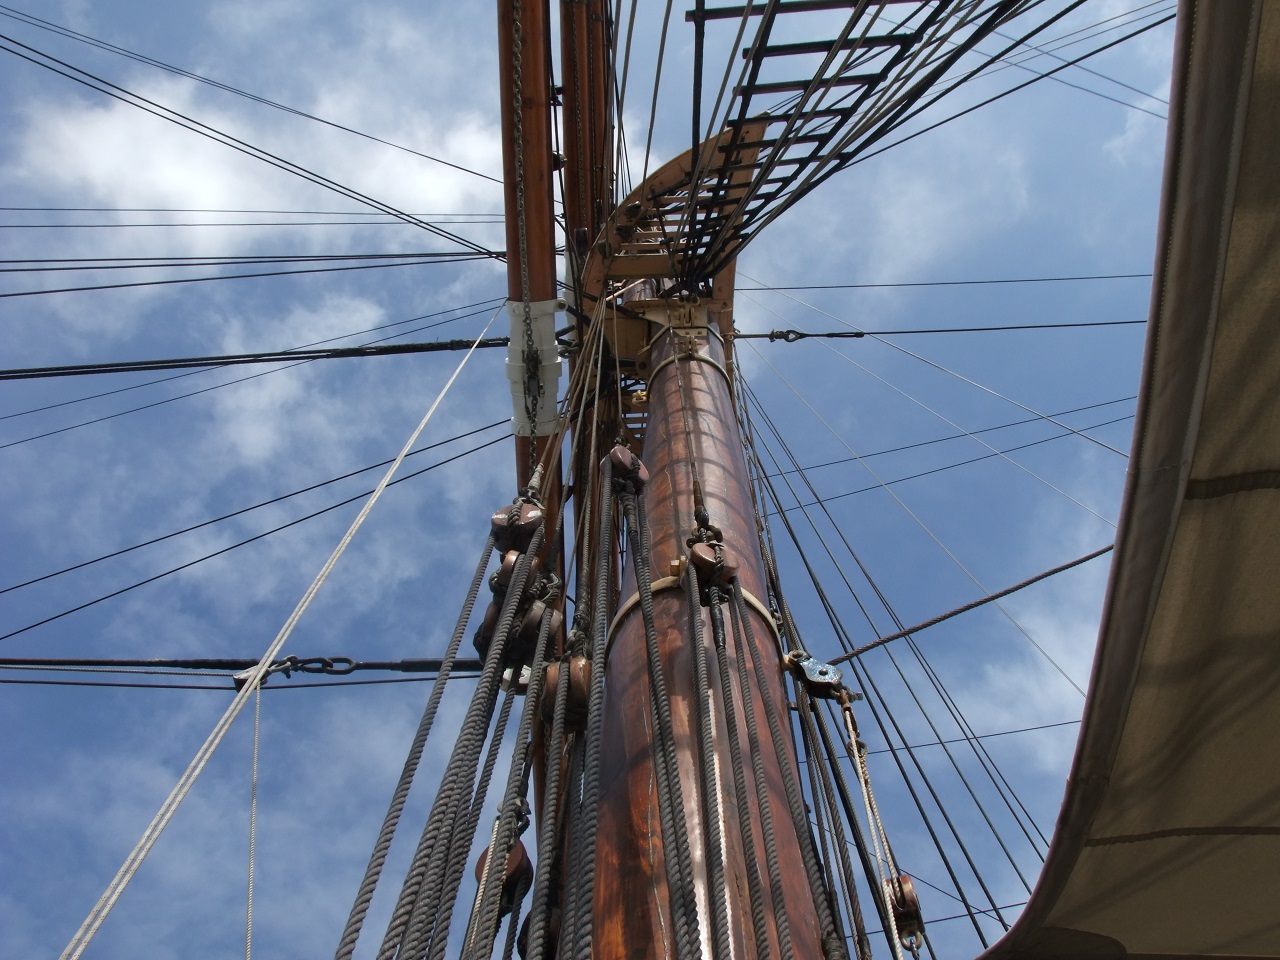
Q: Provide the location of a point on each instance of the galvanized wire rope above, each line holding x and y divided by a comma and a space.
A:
929, 532
422, 900
75, 948
721, 945
1001, 783
677, 855
983, 757
867, 685
746, 822
864, 681
377, 859
837, 626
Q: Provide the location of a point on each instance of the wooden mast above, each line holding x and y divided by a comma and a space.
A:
532, 298
677, 349
677, 346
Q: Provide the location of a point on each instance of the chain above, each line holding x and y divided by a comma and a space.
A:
532, 389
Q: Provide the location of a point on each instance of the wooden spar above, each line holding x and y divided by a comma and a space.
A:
677, 347
632, 910
586, 67
588, 130
690, 422
523, 32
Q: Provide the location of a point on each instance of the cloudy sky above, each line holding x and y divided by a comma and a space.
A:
1052, 182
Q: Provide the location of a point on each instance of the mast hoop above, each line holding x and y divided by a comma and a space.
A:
691, 356
677, 583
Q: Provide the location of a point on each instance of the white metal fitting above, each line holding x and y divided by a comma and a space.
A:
542, 315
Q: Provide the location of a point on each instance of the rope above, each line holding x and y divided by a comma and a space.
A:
1000, 594
879, 839
578, 918
75, 948
746, 828
677, 857
548, 847
511, 807
426, 896
418, 884
378, 858
854, 823
721, 946
767, 830
253, 825
810, 716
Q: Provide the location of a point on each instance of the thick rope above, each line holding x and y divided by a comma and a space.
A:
424, 880
759, 929
548, 841
578, 911
75, 948
721, 945
372, 873
437, 917
808, 855
677, 855
512, 806
768, 833
422, 888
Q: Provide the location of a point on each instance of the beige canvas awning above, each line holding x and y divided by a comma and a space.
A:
1168, 843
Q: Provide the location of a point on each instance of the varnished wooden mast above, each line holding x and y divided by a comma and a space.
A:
691, 426
523, 75
632, 913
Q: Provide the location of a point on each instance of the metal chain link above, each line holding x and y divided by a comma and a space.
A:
532, 386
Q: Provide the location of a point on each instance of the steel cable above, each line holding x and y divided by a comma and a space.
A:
813, 869
424, 885
721, 946
677, 856
746, 822
373, 872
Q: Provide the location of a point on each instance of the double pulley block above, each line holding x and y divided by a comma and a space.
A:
513, 531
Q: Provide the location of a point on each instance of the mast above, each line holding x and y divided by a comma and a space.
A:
675, 856
693, 452
533, 363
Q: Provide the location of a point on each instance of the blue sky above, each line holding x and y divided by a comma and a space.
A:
1050, 182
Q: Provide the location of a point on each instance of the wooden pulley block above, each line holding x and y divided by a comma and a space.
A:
484, 635
519, 872
578, 674
901, 894
530, 624
502, 576
514, 526
713, 570
627, 467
